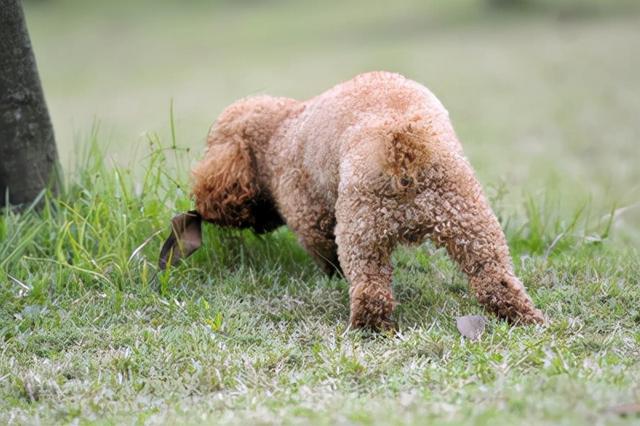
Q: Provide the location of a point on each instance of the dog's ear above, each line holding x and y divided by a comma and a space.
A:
185, 238
224, 183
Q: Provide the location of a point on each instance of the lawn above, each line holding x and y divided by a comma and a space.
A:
248, 331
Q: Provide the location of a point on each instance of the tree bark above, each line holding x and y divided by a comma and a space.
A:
28, 155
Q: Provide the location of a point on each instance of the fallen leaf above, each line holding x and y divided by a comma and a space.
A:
471, 326
625, 409
185, 238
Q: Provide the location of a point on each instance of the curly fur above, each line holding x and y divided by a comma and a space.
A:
370, 164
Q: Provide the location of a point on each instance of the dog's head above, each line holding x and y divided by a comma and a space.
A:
228, 184
229, 188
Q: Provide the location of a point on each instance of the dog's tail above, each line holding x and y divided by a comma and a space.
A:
410, 144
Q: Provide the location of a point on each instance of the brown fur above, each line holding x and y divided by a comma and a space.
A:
370, 164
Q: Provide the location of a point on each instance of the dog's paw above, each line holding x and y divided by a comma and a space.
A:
371, 308
530, 317
536, 317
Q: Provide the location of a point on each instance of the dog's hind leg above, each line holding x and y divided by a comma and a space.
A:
459, 218
365, 243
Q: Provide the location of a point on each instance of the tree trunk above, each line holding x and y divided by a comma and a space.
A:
28, 156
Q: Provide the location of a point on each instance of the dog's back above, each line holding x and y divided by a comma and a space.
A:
386, 118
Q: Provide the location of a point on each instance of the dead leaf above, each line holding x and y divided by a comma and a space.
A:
185, 238
471, 326
625, 409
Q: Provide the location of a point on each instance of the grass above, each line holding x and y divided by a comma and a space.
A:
248, 330
544, 100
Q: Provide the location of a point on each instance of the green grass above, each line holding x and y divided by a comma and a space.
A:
545, 100
248, 330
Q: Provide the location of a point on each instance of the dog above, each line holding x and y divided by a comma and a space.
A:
370, 164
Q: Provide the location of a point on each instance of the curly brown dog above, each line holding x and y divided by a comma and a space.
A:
370, 164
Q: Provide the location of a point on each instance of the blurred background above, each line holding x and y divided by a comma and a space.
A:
544, 94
